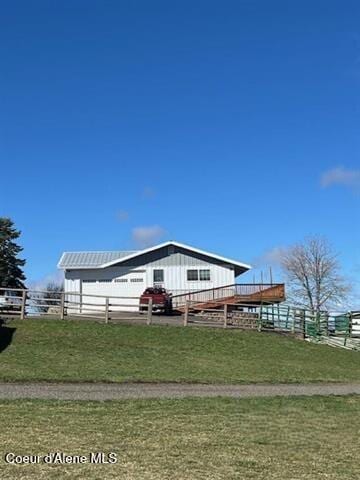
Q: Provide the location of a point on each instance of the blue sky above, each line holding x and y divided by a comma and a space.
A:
232, 126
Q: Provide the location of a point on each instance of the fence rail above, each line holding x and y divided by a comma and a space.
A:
280, 318
24, 303
341, 327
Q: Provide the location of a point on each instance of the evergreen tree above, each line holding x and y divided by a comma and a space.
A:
11, 273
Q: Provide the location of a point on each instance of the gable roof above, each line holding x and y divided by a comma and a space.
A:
84, 260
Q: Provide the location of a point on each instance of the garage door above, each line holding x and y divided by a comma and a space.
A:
129, 285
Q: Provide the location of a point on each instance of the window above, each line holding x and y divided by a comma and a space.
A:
192, 275
89, 281
105, 280
136, 280
196, 275
121, 280
204, 275
158, 276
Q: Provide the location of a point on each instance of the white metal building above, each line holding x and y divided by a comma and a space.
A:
177, 267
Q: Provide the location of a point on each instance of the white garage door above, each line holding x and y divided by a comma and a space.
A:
129, 285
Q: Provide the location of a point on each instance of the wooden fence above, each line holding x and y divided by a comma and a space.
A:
276, 317
279, 318
26, 303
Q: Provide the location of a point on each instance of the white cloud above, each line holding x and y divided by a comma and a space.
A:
341, 176
147, 236
270, 257
267, 267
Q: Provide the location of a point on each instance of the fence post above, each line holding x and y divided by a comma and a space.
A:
23, 305
62, 306
107, 310
149, 312
350, 324
186, 314
260, 318
278, 315
287, 318
293, 326
225, 314
303, 323
327, 323
349, 329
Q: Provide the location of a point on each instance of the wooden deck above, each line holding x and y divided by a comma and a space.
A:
242, 294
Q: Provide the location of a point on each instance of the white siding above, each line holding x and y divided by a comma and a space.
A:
175, 277
175, 280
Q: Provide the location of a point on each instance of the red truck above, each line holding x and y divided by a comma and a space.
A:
161, 300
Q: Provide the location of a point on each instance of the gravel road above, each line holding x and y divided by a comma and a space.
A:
108, 391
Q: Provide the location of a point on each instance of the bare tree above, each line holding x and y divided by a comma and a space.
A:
313, 275
49, 297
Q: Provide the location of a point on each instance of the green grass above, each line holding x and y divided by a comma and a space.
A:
189, 439
87, 351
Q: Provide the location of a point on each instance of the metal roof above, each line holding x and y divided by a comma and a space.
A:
73, 260
90, 259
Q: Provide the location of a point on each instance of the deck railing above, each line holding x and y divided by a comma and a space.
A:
246, 291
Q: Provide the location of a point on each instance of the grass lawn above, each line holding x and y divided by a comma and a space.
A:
57, 350
260, 439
